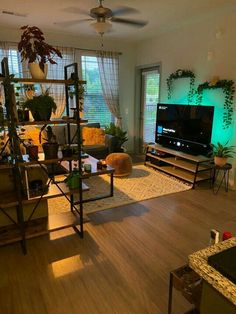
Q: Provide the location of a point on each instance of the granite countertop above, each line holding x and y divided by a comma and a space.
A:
198, 262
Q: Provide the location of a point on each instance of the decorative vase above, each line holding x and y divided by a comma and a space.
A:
36, 72
220, 161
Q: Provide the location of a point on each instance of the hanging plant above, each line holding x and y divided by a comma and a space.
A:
181, 74
228, 89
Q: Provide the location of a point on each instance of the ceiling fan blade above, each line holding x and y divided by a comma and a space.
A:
71, 23
124, 10
76, 10
136, 23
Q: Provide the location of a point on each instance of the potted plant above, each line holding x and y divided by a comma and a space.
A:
120, 135
31, 149
36, 51
67, 151
41, 106
221, 153
50, 147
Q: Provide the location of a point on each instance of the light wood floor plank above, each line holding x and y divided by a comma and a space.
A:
122, 265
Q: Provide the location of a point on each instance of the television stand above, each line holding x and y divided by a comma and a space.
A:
190, 168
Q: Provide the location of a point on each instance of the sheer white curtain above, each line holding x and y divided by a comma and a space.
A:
108, 63
56, 71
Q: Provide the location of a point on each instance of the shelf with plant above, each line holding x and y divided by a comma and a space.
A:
228, 89
178, 75
41, 106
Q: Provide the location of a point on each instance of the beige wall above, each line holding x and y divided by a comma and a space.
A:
127, 67
187, 48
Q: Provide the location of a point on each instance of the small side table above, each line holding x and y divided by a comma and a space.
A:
224, 179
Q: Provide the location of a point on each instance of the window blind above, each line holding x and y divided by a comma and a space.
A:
95, 108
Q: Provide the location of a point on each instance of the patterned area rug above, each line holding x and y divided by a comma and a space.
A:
144, 183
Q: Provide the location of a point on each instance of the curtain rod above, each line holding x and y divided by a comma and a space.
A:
84, 49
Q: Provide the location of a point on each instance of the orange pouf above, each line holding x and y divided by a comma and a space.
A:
121, 162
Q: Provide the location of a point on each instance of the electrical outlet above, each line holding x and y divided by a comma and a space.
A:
214, 236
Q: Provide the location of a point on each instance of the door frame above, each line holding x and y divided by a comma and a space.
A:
138, 127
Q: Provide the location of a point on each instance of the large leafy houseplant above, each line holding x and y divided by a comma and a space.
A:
41, 106
221, 153
120, 135
32, 47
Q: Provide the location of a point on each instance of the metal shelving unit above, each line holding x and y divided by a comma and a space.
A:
22, 229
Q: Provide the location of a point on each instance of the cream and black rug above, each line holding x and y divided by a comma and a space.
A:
144, 183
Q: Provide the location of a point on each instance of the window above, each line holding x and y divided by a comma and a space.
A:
150, 97
10, 51
95, 108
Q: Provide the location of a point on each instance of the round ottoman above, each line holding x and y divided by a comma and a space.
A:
121, 162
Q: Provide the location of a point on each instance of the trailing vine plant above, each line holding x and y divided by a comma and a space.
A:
228, 89
181, 74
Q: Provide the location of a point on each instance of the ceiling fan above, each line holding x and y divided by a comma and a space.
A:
102, 17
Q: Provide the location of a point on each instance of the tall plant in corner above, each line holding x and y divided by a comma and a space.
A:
33, 48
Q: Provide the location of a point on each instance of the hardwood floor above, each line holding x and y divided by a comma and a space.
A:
122, 265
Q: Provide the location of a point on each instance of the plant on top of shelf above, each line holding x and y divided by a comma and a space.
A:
221, 153
33, 48
228, 89
41, 106
116, 131
181, 74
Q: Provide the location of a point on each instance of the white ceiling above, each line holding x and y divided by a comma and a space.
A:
162, 15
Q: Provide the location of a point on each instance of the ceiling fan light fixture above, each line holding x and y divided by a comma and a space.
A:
101, 27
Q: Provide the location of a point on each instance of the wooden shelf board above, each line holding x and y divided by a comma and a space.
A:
10, 199
45, 81
6, 166
60, 121
184, 164
194, 158
37, 227
180, 173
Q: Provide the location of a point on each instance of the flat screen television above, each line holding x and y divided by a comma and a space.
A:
185, 127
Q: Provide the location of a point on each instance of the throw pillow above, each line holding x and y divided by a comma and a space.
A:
93, 136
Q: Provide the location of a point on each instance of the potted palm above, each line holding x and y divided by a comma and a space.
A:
41, 106
120, 135
36, 51
221, 153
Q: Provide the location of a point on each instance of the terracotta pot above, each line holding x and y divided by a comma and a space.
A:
220, 161
36, 71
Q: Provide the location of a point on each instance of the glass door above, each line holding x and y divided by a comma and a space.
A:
150, 82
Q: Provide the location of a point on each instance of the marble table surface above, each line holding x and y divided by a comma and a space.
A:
198, 262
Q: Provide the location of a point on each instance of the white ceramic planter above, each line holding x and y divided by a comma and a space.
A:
36, 71
220, 161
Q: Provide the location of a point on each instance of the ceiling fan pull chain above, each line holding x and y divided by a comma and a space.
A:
102, 41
